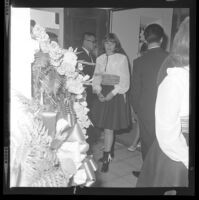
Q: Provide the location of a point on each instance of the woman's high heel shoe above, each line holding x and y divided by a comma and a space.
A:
102, 158
106, 160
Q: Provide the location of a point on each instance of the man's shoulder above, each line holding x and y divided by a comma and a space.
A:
138, 60
80, 50
81, 53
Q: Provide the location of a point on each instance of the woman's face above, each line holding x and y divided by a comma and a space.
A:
109, 47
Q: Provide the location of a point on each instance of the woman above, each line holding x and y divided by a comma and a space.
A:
166, 164
111, 82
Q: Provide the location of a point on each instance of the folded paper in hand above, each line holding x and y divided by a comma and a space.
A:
109, 79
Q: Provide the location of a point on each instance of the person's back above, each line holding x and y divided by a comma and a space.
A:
144, 84
149, 64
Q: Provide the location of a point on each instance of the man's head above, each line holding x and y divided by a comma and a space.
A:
89, 41
52, 36
32, 24
153, 33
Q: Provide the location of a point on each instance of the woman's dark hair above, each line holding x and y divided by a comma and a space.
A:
179, 55
153, 33
143, 48
111, 37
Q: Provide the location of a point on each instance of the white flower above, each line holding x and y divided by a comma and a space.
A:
77, 106
80, 66
74, 86
84, 103
70, 57
39, 33
54, 45
61, 70
66, 69
82, 117
70, 49
79, 96
69, 67
44, 46
80, 177
85, 78
55, 63
55, 51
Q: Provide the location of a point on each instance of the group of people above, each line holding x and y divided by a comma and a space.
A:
157, 90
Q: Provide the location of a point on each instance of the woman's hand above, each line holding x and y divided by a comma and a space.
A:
101, 97
109, 96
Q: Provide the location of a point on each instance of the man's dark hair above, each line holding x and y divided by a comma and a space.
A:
153, 33
87, 34
32, 22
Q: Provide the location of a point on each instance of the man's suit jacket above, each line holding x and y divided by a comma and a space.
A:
87, 70
144, 82
82, 55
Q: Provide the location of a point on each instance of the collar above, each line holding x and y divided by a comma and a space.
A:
86, 50
153, 46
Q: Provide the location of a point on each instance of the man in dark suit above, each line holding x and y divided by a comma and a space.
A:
144, 86
85, 55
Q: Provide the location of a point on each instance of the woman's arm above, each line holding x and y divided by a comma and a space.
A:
124, 80
168, 125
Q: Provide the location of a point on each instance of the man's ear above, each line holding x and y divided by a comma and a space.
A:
161, 40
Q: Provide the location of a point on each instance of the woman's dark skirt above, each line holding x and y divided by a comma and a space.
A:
159, 170
114, 114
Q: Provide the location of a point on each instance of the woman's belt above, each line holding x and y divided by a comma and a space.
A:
109, 79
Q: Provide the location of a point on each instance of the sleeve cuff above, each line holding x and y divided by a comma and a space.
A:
115, 91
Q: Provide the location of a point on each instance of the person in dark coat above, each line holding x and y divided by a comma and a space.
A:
88, 60
167, 162
144, 88
85, 56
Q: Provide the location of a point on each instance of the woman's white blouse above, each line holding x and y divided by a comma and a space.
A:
172, 103
116, 64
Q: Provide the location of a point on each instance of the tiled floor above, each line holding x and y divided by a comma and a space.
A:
121, 167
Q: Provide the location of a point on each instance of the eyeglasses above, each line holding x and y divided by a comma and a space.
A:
91, 41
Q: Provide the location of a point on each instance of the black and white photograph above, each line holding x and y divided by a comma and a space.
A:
99, 98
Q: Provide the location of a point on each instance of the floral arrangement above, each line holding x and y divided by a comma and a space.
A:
35, 159
48, 132
58, 82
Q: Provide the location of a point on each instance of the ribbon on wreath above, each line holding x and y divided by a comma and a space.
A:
90, 167
49, 120
76, 134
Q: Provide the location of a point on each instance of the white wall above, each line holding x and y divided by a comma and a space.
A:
21, 55
46, 18
126, 23
163, 15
